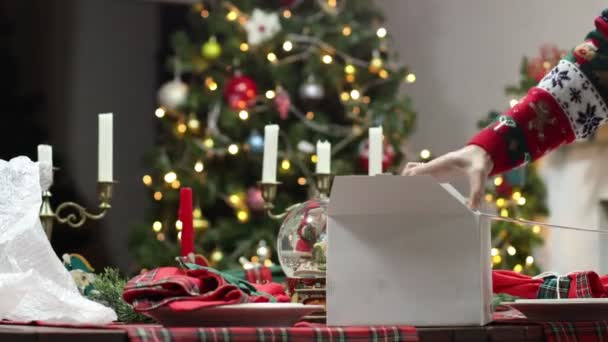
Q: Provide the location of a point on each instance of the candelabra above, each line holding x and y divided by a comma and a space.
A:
323, 182
74, 214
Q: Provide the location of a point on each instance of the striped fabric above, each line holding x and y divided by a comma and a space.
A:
318, 333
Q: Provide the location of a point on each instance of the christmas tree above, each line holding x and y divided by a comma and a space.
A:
319, 69
520, 193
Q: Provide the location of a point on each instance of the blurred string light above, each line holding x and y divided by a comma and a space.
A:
170, 177
513, 102
518, 268
208, 143
355, 94
217, 256
158, 195
270, 94
157, 226
242, 215
285, 164
272, 57
194, 124
160, 112
199, 166
244, 47
287, 45
287, 14
498, 181
350, 69
327, 59
179, 225
147, 179
233, 149
210, 83
500, 202
243, 115
425, 154
347, 30
381, 32
232, 15
529, 260
410, 78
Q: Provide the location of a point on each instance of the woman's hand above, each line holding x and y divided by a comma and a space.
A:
471, 160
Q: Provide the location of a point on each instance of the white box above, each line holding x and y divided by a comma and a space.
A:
405, 250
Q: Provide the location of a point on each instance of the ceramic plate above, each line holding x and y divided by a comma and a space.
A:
242, 315
575, 309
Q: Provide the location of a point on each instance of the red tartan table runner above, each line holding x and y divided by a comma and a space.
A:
319, 334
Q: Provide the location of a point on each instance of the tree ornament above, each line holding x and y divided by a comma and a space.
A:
254, 199
240, 92
261, 26
311, 89
211, 49
256, 142
388, 155
376, 62
282, 102
173, 94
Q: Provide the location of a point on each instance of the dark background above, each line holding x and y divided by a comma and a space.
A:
62, 63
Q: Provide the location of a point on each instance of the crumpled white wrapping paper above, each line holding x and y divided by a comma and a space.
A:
34, 284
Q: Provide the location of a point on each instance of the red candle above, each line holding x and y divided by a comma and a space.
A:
185, 215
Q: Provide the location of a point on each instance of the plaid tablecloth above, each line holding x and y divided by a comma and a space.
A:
317, 334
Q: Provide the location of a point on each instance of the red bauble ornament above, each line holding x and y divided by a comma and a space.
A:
240, 92
388, 155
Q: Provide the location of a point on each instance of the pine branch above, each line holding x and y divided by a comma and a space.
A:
109, 286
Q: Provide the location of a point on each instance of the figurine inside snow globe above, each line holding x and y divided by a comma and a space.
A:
302, 240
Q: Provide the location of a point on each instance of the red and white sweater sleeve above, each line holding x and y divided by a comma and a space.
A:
568, 104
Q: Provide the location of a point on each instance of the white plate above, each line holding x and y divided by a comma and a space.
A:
575, 309
241, 315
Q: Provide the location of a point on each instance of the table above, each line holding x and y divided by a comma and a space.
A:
494, 332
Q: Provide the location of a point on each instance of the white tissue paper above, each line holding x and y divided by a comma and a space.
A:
34, 284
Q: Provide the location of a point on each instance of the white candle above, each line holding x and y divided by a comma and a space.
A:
45, 154
105, 146
375, 151
323, 157
271, 145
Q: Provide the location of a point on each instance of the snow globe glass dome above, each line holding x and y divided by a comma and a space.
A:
302, 240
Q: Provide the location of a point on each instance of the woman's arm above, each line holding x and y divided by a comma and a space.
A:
568, 104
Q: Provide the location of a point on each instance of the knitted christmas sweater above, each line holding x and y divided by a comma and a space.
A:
568, 104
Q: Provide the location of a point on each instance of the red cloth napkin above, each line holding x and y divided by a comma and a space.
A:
582, 284
185, 290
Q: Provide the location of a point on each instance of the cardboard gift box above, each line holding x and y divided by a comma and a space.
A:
406, 250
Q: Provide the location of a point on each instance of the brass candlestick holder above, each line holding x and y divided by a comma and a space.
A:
74, 214
323, 182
